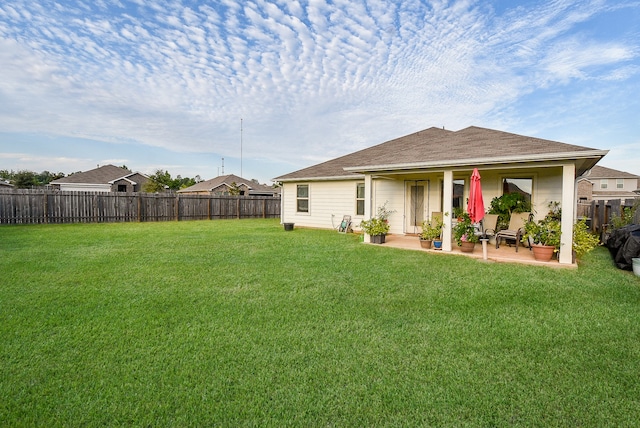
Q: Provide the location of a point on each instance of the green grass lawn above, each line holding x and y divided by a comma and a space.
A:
239, 323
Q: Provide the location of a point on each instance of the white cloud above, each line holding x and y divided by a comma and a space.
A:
312, 78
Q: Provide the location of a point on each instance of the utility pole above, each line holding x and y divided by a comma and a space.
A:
241, 148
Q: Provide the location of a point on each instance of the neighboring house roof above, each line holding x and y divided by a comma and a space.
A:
102, 175
601, 172
227, 181
4, 183
438, 148
598, 172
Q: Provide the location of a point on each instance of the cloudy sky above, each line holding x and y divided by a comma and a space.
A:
167, 84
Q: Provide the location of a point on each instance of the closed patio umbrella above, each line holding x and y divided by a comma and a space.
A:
475, 207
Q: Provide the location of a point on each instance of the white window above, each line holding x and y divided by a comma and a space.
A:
360, 199
619, 183
302, 198
604, 183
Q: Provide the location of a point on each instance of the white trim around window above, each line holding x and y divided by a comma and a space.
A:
360, 199
303, 199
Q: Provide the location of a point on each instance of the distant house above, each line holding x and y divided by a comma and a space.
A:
429, 171
604, 184
4, 184
108, 178
229, 184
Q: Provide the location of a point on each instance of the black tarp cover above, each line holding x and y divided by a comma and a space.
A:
624, 245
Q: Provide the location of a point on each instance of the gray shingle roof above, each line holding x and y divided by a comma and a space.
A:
209, 185
437, 145
604, 172
101, 175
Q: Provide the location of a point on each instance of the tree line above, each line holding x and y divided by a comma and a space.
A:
24, 179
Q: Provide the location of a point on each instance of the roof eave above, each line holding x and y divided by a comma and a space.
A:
499, 160
327, 178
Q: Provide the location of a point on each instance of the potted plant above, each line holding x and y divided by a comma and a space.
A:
458, 213
431, 230
543, 236
377, 227
465, 233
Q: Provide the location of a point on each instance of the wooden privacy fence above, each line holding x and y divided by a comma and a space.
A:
599, 214
18, 206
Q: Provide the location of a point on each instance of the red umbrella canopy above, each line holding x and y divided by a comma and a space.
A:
475, 207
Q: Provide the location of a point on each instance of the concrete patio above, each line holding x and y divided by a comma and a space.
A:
504, 254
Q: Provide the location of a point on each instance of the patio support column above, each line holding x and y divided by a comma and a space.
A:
447, 209
568, 207
368, 201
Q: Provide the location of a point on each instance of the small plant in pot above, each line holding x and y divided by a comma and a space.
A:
431, 230
458, 213
377, 227
465, 233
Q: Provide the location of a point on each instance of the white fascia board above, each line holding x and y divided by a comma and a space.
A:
334, 178
84, 187
123, 178
495, 160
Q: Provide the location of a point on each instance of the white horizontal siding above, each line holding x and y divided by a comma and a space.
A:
329, 201
390, 192
547, 188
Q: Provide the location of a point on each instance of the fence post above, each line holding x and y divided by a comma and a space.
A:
45, 208
593, 214
616, 207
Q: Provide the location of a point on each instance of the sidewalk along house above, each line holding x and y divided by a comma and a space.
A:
429, 171
107, 178
230, 185
605, 184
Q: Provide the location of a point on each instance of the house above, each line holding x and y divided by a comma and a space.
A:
108, 178
4, 184
230, 184
601, 183
429, 171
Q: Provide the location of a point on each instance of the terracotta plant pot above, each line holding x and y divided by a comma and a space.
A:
543, 253
425, 243
467, 247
